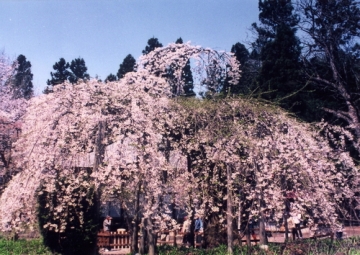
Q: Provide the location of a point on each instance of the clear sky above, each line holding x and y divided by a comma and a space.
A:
103, 32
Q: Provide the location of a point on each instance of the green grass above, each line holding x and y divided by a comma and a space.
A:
349, 246
23, 247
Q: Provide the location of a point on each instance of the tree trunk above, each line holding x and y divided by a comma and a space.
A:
150, 237
239, 221
248, 236
143, 237
262, 231
99, 156
229, 215
135, 229
99, 159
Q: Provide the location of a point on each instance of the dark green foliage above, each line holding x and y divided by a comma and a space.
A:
319, 97
77, 238
332, 60
78, 69
281, 66
179, 41
61, 73
336, 22
243, 87
188, 81
279, 77
22, 84
111, 77
241, 53
128, 65
272, 70
275, 13
153, 43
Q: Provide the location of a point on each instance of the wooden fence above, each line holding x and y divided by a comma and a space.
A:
122, 240
114, 240
166, 237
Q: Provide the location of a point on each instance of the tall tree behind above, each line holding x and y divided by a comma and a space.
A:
152, 44
128, 65
22, 82
333, 31
248, 72
111, 77
280, 52
61, 73
78, 68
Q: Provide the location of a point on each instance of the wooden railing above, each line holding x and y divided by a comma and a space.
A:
121, 239
166, 237
114, 240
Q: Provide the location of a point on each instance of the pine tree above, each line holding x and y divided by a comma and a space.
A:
61, 73
78, 68
111, 77
243, 87
22, 83
279, 53
128, 65
153, 43
241, 52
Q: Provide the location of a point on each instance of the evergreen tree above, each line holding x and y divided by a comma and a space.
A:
111, 77
128, 65
179, 41
241, 52
243, 87
332, 58
78, 68
22, 83
279, 77
61, 73
153, 43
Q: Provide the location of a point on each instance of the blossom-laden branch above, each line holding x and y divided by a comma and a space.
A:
271, 155
209, 68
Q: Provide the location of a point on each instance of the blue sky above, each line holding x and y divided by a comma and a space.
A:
103, 32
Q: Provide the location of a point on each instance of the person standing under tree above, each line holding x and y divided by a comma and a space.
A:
291, 226
186, 229
107, 224
297, 219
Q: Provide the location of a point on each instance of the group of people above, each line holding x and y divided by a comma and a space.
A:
186, 229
